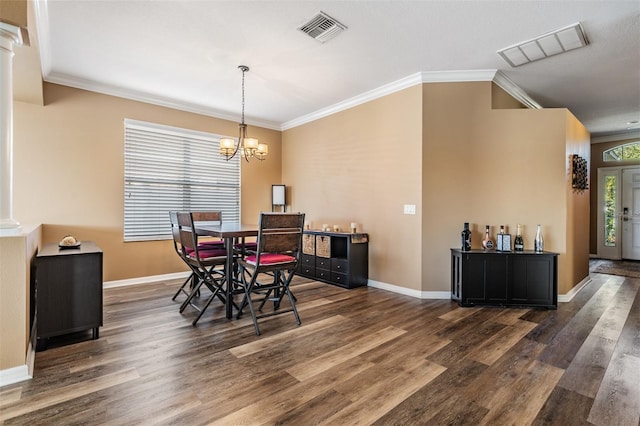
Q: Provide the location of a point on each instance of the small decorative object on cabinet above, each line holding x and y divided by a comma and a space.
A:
538, 243
278, 197
338, 258
503, 241
518, 244
520, 279
68, 290
487, 243
466, 237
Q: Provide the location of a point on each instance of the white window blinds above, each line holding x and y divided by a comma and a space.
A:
168, 168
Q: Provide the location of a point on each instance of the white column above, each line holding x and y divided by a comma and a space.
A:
9, 36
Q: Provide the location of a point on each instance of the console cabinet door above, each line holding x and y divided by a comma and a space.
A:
485, 279
533, 280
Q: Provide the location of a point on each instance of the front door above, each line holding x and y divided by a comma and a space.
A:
630, 214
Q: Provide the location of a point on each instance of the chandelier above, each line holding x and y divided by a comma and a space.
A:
248, 147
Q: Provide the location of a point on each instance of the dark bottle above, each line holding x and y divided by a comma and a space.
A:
518, 243
466, 237
487, 243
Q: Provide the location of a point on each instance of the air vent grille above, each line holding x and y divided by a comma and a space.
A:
322, 27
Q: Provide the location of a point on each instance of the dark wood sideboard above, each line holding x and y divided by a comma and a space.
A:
519, 279
68, 290
338, 258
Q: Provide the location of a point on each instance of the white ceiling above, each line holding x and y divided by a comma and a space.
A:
185, 53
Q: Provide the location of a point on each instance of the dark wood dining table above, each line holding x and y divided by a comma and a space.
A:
230, 232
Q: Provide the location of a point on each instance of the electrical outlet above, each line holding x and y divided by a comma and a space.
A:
409, 209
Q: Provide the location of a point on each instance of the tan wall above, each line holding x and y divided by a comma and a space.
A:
596, 162
471, 163
576, 266
16, 256
14, 12
69, 166
362, 165
503, 100
489, 167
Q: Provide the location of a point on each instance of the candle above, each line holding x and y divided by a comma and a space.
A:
336, 228
354, 227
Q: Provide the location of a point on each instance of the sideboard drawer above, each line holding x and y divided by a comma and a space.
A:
340, 279
309, 271
340, 265
308, 260
323, 263
323, 274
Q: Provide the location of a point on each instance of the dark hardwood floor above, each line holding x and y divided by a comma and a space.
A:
361, 356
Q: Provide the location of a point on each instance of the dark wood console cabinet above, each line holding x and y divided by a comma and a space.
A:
522, 279
68, 290
335, 257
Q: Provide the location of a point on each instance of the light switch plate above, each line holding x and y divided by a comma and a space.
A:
409, 209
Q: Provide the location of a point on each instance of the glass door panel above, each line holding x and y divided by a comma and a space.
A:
609, 214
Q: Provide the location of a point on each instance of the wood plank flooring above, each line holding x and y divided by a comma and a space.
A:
361, 356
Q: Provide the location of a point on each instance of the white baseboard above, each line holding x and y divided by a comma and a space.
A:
447, 294
418, 294
13, 375
410, 292
574, 291
145, 280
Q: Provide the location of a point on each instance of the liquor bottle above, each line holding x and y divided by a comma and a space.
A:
538, 243
518, 243
466, 237
501, 229
487, 243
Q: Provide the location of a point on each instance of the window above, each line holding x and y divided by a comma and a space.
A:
628, 151
168, 168
610, 211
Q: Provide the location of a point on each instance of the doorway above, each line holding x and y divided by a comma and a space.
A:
619, 213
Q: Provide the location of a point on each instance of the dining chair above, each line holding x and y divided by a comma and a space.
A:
177, 245
210, 218
279, 244
203, 262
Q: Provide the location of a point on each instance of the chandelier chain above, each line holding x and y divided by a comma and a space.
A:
248, 147
243, 71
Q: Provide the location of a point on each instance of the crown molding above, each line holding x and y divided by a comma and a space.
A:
412, 80
506, 84
457, 76
617, 137
11, 33
385, 90
134, 95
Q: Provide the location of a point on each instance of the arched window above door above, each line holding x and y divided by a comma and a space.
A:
624, 152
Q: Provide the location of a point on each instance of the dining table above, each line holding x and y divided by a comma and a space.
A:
230, 232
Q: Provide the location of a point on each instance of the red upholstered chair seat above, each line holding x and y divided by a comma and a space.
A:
208, 253
270, 258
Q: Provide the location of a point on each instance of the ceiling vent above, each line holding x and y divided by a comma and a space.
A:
322, 27
545, 45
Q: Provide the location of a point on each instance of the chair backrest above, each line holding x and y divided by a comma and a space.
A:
280, 233
187, 232
213, 217
175, 232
